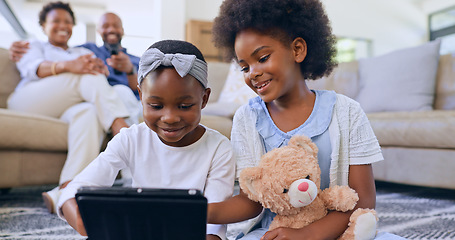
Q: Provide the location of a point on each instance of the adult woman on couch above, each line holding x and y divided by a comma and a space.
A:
67, 83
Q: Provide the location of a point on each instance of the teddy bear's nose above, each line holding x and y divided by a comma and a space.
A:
303, 187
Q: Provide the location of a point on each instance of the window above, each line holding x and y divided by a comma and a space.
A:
11, 18
442, 25
350, 49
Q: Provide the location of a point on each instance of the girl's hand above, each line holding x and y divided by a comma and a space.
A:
283, 233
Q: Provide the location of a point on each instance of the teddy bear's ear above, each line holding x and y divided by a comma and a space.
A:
305, 142
247, 179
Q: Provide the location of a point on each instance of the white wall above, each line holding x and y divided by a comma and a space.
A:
430, 6
390, 24
141, 22
27, 13
143, 25
205, 10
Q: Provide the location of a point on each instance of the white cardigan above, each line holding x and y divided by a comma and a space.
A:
351, 136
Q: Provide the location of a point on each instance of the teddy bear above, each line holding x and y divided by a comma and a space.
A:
287, 181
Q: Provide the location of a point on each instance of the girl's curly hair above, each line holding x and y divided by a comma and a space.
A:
283, 20
54, 5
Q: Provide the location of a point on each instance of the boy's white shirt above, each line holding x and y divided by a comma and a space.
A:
352, 139
207, 165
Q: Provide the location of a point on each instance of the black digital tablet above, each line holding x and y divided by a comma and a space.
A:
142, 213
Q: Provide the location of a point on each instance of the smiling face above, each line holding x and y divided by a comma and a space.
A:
110, 28
58, 27
172, 106
270, 67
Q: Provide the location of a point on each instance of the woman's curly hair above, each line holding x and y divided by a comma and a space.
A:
54, 5
283, 20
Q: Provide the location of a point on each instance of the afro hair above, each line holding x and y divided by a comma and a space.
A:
54, 5
283, 20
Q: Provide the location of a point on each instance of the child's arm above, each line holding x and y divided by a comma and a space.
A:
212, 237
335, 223
234, 209
73, 217
100, 172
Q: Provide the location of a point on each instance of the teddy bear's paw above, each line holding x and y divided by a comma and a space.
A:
340, 198
364, 224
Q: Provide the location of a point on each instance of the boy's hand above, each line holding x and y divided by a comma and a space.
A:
17, 50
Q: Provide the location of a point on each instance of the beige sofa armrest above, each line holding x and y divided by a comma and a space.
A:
418, 129
9, 78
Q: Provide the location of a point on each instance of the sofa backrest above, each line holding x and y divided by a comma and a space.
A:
344, 79
217, 72
445, 83
9, 77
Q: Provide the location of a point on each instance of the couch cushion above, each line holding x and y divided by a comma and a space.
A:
223, 109
23, 131
9, 78
235, 90
344, 79
445, 83
422, 129
421, 166
217, 72
26, 168
220, 124
403, 80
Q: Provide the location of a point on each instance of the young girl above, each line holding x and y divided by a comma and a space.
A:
170, 149
278, 45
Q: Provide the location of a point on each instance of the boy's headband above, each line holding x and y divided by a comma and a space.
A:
183, 63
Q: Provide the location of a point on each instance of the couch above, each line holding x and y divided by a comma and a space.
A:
33, 147
417, 142
409, 98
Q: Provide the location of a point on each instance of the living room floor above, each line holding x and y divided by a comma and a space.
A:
408, 211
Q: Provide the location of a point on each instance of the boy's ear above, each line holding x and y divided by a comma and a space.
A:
205, 97
299, 48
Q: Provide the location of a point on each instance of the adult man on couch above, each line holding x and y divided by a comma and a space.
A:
122, 65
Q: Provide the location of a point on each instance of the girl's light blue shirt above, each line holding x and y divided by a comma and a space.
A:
315, 127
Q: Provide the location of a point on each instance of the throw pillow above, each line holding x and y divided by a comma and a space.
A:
235, 90
344, 79
403, 80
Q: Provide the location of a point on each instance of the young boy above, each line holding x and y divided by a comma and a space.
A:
170, 149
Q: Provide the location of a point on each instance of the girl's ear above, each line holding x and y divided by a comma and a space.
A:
139, 91
205, 97
299, 49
